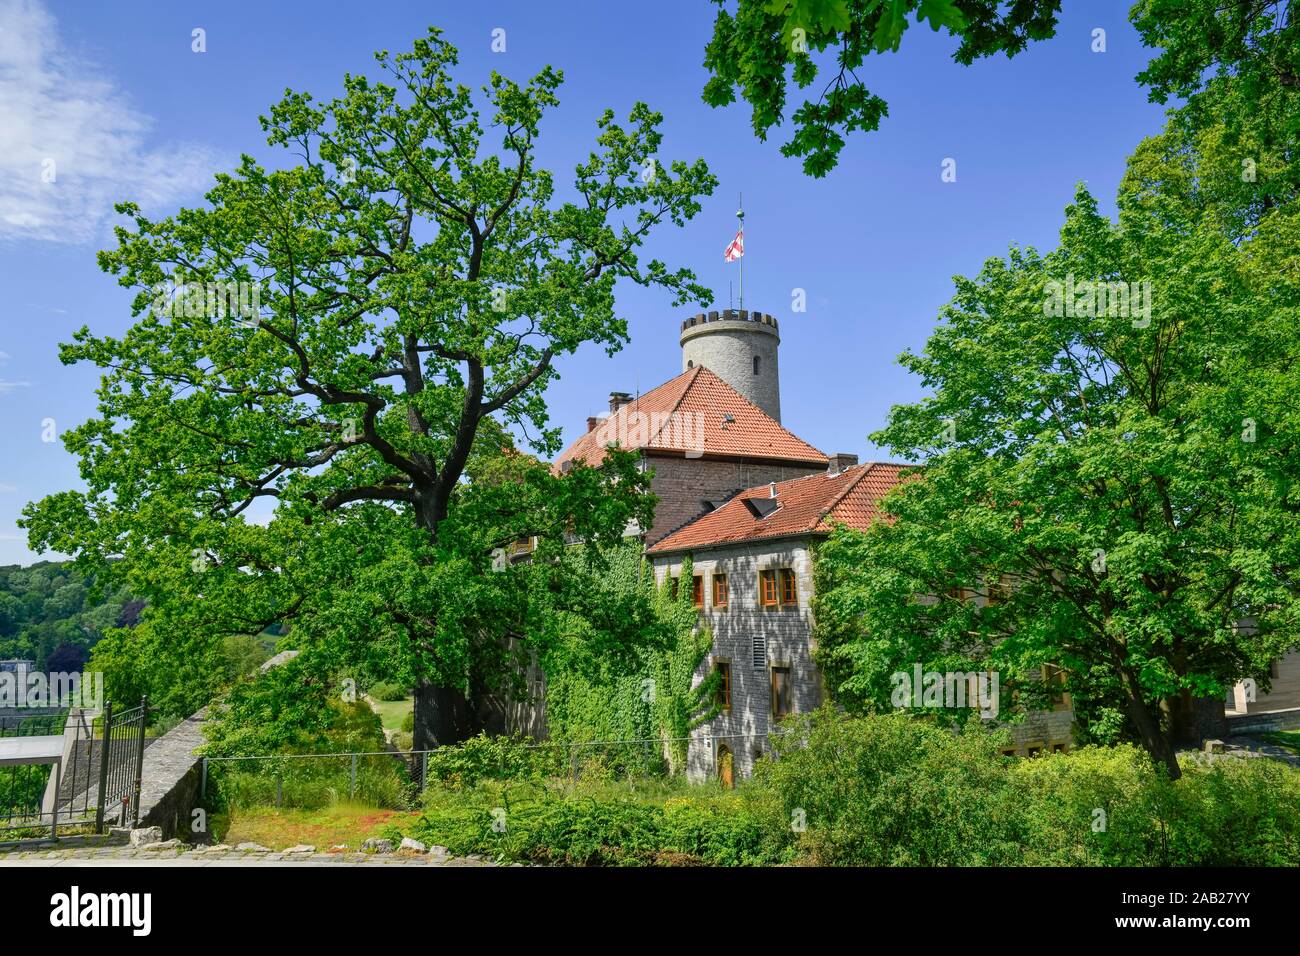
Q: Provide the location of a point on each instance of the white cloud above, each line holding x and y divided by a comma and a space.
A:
60, 109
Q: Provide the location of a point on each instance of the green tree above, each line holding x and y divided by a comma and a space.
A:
766, 49
1136, 474
416, 281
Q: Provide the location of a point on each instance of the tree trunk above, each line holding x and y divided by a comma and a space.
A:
1192, 720
1148, 728
443, 715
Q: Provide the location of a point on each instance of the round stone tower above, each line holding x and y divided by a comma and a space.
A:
740, 348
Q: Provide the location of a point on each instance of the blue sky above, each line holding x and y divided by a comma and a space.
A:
115, 95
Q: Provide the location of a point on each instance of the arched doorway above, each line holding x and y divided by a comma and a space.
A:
726, 766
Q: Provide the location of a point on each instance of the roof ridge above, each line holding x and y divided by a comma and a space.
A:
676, 405
866, 468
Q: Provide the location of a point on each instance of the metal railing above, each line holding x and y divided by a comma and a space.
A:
121, 772
91, 776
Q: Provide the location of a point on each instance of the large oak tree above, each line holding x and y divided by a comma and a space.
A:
418, 275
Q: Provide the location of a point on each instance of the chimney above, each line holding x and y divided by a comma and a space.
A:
592, 422
839, 462
617, 400
771, 490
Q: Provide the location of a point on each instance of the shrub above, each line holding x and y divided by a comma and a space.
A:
492, 758
383, 690
893, 791
1229, 812
600, 824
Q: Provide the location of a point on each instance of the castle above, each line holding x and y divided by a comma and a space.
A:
747, 500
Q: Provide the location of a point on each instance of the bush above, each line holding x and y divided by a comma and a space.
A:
599, 824
492, 758
1109, 807
408, 723
893, 791
382, 690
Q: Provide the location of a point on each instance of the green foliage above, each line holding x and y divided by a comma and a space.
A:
602, 824
895, 790
308, 784
766, 48
382, 690
480, 758
292, 708
678, 706
1232, 812
642, 695
1133, 472
418, 275
51, 606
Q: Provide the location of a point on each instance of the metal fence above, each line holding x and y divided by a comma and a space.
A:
33, 725
630, 760
122, 769
85, 773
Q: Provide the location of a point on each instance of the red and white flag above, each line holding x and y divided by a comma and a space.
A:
736, 249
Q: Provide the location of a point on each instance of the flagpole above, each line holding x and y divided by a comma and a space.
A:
740, 216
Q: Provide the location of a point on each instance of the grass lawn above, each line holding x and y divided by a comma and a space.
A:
347, 824
392, 712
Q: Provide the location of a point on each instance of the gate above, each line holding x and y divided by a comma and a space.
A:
121, 767
73, 768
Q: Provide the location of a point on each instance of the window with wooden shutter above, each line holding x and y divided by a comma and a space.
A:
789, 589
697, 590
723, 695
720, 596
767, 593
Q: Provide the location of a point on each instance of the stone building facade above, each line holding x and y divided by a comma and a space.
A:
753, 642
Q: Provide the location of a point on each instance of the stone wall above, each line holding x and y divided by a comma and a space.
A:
785, 636
727, 347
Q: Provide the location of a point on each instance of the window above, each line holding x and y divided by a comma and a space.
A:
1033, 750
757, 359
697, 590
720, 595
782, 692
777, 587
789, 591
957, 593
723, 695
1008, 751
1060, 747
758, 650
672, 590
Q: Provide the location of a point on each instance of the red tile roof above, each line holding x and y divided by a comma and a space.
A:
688, 414
811, 505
